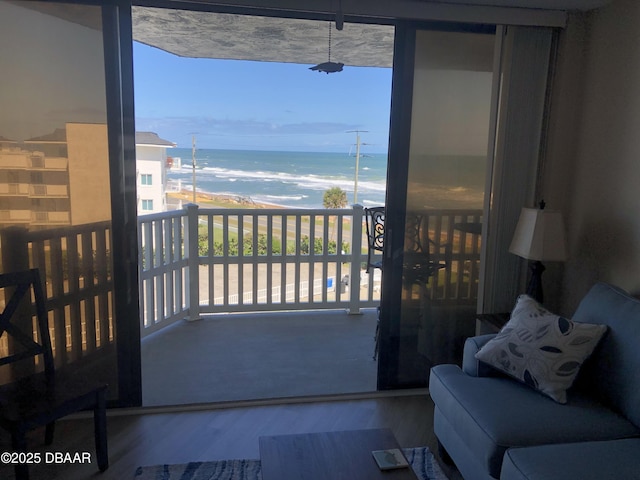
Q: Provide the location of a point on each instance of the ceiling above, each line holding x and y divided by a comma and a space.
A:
202, 34
242, 37
270, 38
539, 4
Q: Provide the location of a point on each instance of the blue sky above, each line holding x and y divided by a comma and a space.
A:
233, 104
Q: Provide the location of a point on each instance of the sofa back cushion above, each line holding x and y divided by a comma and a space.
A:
612, 372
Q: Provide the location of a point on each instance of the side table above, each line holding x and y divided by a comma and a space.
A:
490, 322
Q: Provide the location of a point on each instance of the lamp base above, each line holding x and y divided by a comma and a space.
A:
534, 289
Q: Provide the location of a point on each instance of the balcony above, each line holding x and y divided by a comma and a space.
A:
48, 191
233, 269
46, 218
18, 159
15, 217
260, 355
14, 189
206, 261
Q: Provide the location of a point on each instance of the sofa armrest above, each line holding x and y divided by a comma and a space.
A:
470, 364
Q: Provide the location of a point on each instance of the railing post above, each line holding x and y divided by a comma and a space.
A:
356, 259
193, 261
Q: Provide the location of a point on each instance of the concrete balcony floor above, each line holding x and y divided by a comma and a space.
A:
251, 356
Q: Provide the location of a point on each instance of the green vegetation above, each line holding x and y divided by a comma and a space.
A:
335, 197
262, 247
332, 247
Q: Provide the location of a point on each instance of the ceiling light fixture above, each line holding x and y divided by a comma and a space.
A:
329, 66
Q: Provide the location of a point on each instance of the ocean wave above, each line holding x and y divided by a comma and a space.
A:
370, 202
308, 181
285, 197
274, 177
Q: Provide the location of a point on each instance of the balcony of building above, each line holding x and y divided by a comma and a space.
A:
41, 190
260, 355
240, 304
14, 190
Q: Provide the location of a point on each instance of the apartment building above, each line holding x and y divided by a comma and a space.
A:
151, 166
62, 178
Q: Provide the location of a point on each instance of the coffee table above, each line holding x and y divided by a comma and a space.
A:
342, 455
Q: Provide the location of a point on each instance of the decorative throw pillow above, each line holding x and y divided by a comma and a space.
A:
541, 349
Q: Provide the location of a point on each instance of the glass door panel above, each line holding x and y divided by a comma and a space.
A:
445, 189
55, 207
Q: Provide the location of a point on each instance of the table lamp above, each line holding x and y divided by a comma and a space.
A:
539, 236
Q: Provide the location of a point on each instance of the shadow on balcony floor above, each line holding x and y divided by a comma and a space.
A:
260, 356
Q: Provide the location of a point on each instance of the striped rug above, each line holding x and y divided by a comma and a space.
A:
421, 459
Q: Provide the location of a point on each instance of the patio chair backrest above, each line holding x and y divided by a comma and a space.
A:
24, 299
375, 235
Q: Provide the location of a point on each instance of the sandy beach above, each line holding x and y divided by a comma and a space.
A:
218, 200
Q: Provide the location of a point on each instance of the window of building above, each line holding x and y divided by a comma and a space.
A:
147, 204
146, 179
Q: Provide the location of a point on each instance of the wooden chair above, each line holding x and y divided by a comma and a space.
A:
35, 394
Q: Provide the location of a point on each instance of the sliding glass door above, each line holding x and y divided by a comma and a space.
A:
440, 130
63, 174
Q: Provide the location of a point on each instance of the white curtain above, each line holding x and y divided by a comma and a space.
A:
521, 79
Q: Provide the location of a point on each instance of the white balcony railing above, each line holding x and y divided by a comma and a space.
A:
197, 261
74, 264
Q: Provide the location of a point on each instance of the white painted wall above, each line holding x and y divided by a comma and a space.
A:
593, 167
151, 160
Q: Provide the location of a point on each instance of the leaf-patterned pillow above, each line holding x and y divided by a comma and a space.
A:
541, 349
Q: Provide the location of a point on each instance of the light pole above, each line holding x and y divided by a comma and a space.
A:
355, 183
193, 165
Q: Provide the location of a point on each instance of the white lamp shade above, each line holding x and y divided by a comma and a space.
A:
540, 236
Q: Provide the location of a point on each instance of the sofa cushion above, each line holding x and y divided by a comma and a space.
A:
612, 370
613, 459
541, 349
492, 414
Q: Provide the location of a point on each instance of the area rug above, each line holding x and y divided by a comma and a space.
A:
421, 459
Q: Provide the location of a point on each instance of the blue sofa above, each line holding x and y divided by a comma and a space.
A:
494, 427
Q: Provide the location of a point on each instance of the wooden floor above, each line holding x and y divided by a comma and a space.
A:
138, 438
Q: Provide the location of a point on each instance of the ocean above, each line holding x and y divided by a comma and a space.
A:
291, 179
299, 179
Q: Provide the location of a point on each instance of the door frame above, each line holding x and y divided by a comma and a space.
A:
395, 202
118, 52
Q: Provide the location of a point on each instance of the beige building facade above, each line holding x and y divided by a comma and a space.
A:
62, 178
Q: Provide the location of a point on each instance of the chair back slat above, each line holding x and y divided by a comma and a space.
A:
16, 357
24, 292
